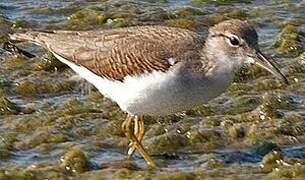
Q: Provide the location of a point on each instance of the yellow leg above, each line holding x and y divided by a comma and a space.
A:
134, 140
138, 132
135, 132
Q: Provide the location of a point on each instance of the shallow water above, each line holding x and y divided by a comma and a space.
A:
55, 125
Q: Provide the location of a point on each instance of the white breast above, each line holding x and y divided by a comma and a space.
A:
156, 93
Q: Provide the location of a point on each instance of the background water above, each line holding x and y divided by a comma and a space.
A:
55, 125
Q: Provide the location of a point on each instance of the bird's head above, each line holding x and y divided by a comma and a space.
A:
235, 42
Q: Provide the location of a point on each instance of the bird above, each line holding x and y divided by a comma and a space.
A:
156, 70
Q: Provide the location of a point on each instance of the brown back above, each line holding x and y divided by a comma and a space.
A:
120, 52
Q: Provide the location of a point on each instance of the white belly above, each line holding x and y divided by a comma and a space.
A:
156, 93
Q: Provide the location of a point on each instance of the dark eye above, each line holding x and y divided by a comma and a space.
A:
234, 41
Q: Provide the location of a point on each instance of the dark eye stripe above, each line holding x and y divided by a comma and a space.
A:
228, 37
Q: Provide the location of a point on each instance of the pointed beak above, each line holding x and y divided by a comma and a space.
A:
260, 60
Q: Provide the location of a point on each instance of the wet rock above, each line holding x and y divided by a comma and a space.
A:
116, 22
220, 2
15, 62
289, 41
265, 147
204, 140
49, 63
269, 84
167, 143
250, 72
5, 29
86, 19
214, 163
203, 110
289, 171
269, 107
156, 15
239, 89
188, 11
66, 10
271, 161
183, 23
74, 161
26, 24
7, 107
296, 67
239, 104
32, 87
237, 14
176, 175
292, 125
120, 164
4, 153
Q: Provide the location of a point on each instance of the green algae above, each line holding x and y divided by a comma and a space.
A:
271, 161
29, 87
221, 2
21, 23
188, 12
237, 14
178, 175
74, 161
15, 62
49, 63
86, 19
5, 29
7, 107
269, 84
183, 23
289, 42
60, 11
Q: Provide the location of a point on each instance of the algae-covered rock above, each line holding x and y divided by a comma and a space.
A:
31, 87
292, 125
167, 143
176, 175
5, 29
289, 171
289, 41
183, 23
296, 67
7, 107
237, 14
269, 84
204, 140
86, 19
239, 104
188, 11
271, 161
74, 161
221, 2
49, 63
119, 164
45, 137
15, 62
17, 173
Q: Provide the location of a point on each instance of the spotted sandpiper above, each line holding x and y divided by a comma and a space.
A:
156, 70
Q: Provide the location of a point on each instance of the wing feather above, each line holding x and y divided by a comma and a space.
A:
121, 52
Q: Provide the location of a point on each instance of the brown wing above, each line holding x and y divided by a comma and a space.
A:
120, 52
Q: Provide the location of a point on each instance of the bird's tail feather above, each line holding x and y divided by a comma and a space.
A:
26, 36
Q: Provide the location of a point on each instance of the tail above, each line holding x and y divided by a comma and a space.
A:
11, 48
27, 36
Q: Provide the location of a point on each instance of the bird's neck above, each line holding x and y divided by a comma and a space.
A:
219, 62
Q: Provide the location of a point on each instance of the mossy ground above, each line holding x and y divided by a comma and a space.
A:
56, 126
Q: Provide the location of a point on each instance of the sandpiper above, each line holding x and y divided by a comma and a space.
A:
156, 70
